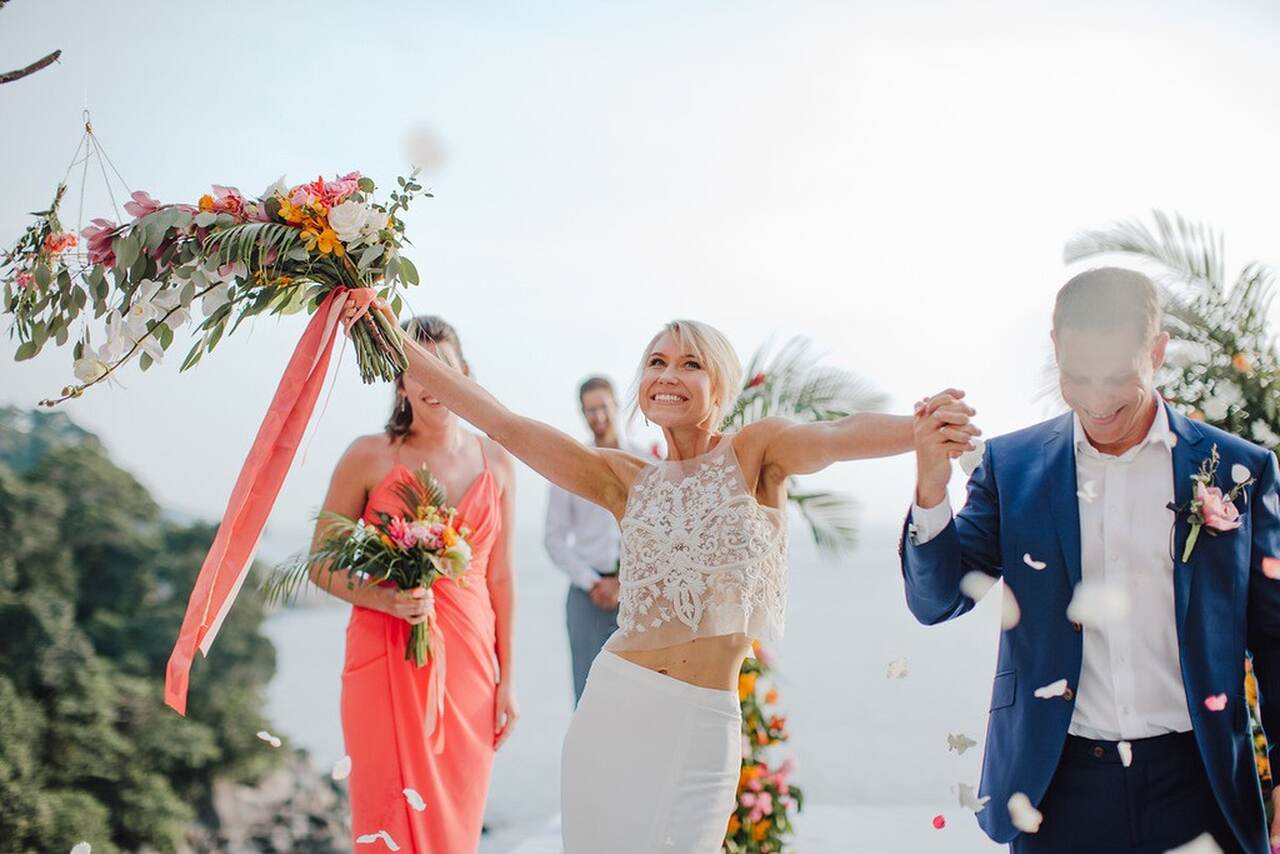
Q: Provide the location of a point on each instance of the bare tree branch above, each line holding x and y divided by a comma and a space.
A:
10, 76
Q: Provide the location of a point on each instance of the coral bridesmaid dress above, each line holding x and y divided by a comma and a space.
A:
385, 699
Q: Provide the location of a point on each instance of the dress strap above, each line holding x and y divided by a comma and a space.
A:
483, 456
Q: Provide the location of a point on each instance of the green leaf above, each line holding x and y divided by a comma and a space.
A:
43, 276
193, 357
369, 255
145, 362
409, 271
204, 219
63, 335
366, 185
397, 304
26, 350
188, 293
127, 249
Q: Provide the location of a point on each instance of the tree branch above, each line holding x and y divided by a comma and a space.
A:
10, 76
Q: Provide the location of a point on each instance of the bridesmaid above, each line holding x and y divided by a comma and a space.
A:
384, 697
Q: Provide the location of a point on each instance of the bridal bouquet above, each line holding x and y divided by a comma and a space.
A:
422, 544
234, 256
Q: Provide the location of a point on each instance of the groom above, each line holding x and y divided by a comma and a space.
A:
1147, 746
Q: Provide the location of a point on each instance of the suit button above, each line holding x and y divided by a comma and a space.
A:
1067, 694
1098, 751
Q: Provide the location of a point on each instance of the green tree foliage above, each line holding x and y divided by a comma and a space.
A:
93, 585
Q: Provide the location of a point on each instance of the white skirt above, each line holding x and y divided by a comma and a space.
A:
650, 764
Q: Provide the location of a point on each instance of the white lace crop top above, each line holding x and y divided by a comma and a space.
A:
700, 556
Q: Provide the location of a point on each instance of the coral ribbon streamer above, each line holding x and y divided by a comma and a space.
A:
255, 491
434, 724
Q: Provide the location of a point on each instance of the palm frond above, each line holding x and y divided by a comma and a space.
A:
253, 243
1189, 252
335, 550
423, 489
794, 384
832, 518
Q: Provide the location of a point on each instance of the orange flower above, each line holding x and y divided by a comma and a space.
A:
450, 538
735, 824
760, 830
777, 722
762, 737
772, 696
746, 685
1196, 415
1241, 363
206, 202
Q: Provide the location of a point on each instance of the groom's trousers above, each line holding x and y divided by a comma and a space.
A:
1097, 805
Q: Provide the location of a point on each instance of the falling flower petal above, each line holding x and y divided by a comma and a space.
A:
370, 838
1202, 844
269, 738
1033, 563
970, 460
969, 800
1216, 702
1089, 492
976, 584
1096, 603
959, 743
1271, 567
1010, 613
1240, 474
342, 768
415, 800
81, 848
939, 822
897, 669
1053, 689
1025, 817
1126, 753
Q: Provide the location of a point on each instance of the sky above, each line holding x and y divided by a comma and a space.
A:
895, 181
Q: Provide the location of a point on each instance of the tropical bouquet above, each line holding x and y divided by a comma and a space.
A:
761, 821
415, 548
235, 256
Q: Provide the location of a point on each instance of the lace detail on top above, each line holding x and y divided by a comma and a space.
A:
700, 556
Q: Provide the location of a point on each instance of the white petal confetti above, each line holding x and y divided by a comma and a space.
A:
897, 669
415, 800
342, 768
976, 584
1010, 613
1126, 753
1089, 492
959, 743
81, 848
970, 460
1240, 474
1096, 603
1202, 844
269, 738
1032, 562
971, 801
370, 838
1025, 817
1053, 689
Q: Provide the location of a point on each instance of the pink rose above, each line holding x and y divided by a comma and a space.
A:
26, 279
141, 205
100, 235
1219, 514
401, 533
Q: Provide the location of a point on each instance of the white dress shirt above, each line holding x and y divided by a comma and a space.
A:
583, 538
1130, 679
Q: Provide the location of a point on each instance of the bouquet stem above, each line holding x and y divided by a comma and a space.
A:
418, 649
379, 353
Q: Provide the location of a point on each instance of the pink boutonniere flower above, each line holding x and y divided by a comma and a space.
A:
1210, 507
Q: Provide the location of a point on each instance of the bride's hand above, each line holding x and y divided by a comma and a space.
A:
379, 305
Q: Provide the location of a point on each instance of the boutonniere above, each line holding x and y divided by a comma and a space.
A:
1210, 508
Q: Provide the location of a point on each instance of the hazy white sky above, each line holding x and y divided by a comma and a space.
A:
894, 180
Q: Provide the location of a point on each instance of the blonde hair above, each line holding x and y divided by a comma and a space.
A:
718, 358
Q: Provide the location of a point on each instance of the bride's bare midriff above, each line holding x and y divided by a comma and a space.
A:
706, 662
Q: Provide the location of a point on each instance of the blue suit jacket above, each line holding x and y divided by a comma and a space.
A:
1022, 499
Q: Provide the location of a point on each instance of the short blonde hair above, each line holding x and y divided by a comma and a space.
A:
718, 358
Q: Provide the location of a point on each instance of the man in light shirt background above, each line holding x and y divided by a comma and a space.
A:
583, 540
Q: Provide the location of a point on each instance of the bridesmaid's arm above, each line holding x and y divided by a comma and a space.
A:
347, 495
500, 577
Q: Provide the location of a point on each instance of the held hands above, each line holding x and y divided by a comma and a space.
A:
413, 606
604, 595
942, 433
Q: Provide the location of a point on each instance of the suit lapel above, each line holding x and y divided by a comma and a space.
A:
1187, 456
1060, 466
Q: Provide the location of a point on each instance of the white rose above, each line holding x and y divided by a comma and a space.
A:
1215, 408
1263, 434
348, 220
1229, 392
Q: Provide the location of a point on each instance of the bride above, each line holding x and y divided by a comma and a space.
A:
652, 756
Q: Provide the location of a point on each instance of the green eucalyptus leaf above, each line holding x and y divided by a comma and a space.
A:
26, 350
145, 362
409, 272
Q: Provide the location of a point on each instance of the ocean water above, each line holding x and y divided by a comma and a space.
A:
859, 738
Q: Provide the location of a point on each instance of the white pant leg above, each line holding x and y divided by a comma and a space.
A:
650, 764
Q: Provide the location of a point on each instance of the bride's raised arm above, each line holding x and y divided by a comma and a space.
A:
593, 473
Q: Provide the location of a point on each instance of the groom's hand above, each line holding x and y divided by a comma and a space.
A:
1275, 821
942, 433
